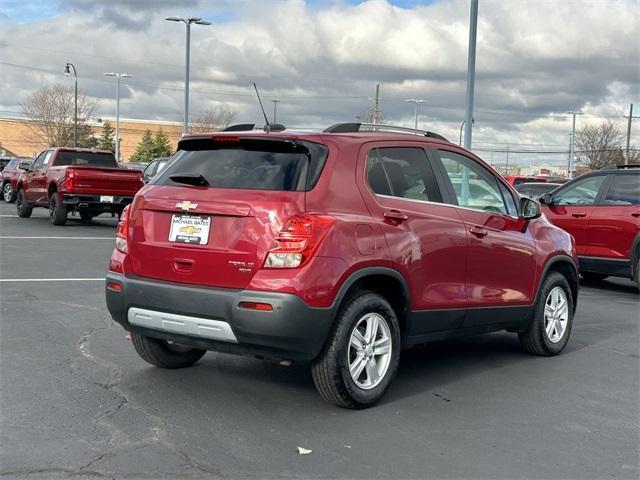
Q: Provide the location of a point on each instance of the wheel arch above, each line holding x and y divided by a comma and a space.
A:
635, 254
386, 282
566, 266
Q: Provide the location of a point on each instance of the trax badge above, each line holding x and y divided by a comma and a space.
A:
186, 205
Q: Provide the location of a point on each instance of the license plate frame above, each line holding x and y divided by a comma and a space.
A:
106, 198
190, 229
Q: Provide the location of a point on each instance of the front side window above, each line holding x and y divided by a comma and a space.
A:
474, 186
38, 161
402, 172
624, 191
582, 192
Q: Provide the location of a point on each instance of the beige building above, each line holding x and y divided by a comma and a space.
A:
16, 136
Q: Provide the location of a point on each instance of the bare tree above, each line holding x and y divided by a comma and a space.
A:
51, 110
599, 145
211, 120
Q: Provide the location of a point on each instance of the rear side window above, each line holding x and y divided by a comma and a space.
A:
85, 159
402, 172
248, 164
624, 191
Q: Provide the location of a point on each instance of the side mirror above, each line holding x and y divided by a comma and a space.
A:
26, 166
529, 209
546, 199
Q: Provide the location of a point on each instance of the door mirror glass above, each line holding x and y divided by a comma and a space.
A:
546, 199
26, 166
529, 209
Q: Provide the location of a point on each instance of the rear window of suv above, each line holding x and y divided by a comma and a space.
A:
250, 164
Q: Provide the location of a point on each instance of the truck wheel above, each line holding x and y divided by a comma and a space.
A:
551, 324
636, 273
164, 354
362, 353
23, 208
86, 217
57, 210
8, 193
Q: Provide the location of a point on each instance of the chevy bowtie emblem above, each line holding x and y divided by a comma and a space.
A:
186, 205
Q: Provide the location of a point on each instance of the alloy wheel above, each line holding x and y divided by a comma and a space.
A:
556, 314
7, 192
369, 352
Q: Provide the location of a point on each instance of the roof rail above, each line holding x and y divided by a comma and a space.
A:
620, 167
373, 127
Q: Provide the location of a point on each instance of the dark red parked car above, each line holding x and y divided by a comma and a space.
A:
10, 174
601, 210
339, 247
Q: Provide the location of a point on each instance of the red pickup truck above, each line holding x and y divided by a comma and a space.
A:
75, 179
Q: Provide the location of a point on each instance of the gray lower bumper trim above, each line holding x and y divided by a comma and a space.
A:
182, 324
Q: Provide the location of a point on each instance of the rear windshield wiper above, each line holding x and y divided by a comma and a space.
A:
195, 179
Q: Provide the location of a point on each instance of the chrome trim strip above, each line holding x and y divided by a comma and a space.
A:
181, 324
443, 204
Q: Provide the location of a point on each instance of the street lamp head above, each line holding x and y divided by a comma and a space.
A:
109, 74
194, 19
203, 22
67, 71
125, 75
175, 19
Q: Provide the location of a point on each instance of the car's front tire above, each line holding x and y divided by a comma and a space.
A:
22, 207
550, 327
57, 210
164, 354
8, 193
361, 355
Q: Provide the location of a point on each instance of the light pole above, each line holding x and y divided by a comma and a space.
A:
187, 21
118, 77
572, 148
416, 102
275, 110
473, 121
75, 107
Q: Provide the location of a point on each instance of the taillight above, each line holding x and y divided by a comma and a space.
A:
297, 241
122, 232
70, 180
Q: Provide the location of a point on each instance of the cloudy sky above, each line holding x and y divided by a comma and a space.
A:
536, 60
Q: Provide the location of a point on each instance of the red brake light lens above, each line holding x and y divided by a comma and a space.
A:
298, 240
226, 138
69, 181
263, 307
122, 232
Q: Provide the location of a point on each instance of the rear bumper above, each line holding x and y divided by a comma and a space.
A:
209, 318
93, 202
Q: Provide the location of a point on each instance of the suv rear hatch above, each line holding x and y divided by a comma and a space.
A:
211, 216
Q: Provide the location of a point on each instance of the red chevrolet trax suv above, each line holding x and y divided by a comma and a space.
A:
339, 247
601, 210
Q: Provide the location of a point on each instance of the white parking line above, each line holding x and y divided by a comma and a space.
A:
56, 238
52, 279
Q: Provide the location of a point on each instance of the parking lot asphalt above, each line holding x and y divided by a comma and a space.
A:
77, 401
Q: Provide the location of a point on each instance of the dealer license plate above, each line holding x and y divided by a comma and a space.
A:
190, 229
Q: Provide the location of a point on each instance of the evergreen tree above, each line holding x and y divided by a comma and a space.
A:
145, 150
106, 142
161, 145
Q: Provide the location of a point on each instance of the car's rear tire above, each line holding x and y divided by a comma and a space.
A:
57, 210
22, 207
164, 354
550, 327
593, 277
8, 193
361, 355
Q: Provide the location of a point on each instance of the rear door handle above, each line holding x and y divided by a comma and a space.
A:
395, 215
635, 214
579, 214
478, 232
